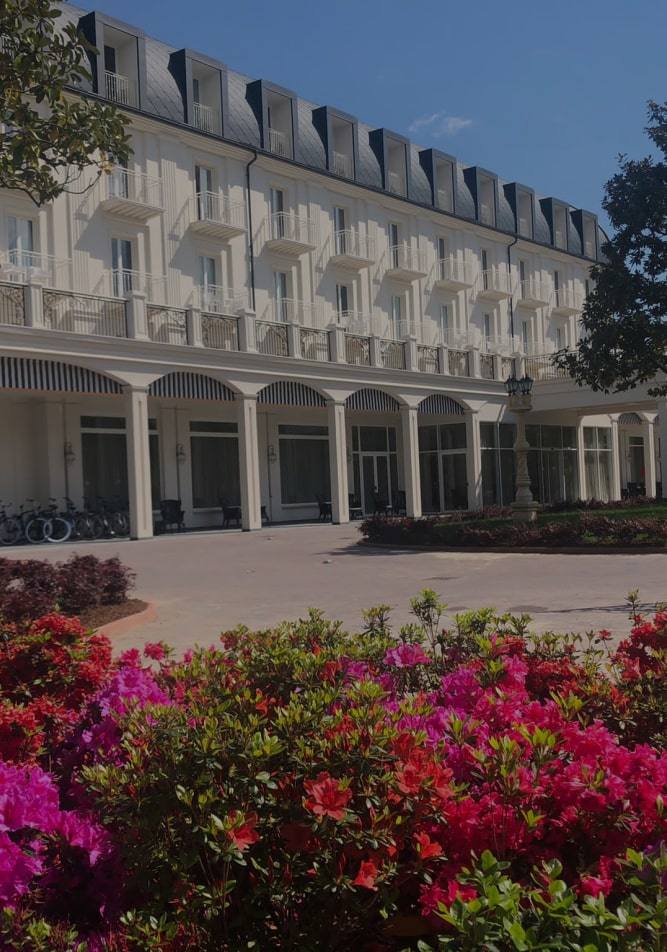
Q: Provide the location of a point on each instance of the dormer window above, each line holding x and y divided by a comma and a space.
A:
343, 148
120, 67
206, 104
487, 200
444, 184
396, 168
525, 215
279, 118
560, 227
590, 243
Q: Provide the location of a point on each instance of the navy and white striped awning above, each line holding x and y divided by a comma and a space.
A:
290, 393
371, 400
629, 418
186, 386
441, 405
22, 373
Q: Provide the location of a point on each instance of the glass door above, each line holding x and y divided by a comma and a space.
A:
376, 478
121, 263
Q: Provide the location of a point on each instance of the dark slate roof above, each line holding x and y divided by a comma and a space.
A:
163, 98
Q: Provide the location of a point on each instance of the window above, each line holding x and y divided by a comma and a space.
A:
304, 463
214, 452
340, 231
557, 287
196, 97
442, 466
394, 241
444, 178
559, 338
205, 197
277, 204
104, 460
109, 59
488, 328
485, 268
343, 302
207, 272
281, 298
442, 258
522, 271
487, 200
444, 323
498, 463
396, 314
525, 334
21, 246
121, 264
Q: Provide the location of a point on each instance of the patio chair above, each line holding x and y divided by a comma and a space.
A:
380, 505
230, 513
398, 504
354, 507
172, 514
325, 507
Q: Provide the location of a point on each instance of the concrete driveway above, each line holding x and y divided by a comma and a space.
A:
202, 583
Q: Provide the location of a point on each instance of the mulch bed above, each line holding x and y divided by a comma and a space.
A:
101, 615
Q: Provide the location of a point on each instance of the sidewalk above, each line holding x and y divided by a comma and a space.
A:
204, 583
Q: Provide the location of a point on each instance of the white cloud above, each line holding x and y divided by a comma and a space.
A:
439, 124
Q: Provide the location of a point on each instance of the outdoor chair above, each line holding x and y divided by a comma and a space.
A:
325, 507
636, 489
234, 514
172, 514
354, 507
398, 504
380, 505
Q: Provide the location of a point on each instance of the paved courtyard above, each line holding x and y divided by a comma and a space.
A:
202, 583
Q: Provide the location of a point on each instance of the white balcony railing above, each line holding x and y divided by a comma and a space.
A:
566, 300
125, 282
454, 272
356, 322
216, 299
532, 289
120, 89
22, 267
212, 207
131, 186
291, 311
288, 228
396, 183
351, 244
343, 165
407, 260
280, 143
205, 118
496, 282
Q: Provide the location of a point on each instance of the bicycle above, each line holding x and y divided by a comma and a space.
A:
10, 527
58, 527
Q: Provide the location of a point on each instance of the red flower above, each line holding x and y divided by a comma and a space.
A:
243, 835
426, 847
326, 796
367, 875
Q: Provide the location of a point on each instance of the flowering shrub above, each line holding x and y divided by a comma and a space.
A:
30, 588
301, 788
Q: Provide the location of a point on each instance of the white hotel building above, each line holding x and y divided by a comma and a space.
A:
274, 301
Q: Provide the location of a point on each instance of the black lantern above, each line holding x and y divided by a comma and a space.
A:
512, 386
525, 385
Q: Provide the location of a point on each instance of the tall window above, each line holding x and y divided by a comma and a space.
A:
214, 451
442, 258
205, 196
525, 335
21, 245
280, 294
498, 463
522, 276
444, 323
488, 329
394, 242
557, 287
277, 202
339, 230
208, 282
304, 463
195, 90
396, 315
598, 462
121, 264
485, 268
343, 302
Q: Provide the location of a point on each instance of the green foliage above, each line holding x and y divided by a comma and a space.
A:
50, 138
625, 341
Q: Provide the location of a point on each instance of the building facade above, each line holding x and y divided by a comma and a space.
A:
274, 302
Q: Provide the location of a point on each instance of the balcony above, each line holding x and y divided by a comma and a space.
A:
22, 267
120, 89
291, 235
132, 195
453, 274
343, 165
567, 302
355, 322
495, 284
215, 299
280, 143
205, 118
533, 293
291, 311
352, 250
125, 282
215, 216
396, 183
406, 264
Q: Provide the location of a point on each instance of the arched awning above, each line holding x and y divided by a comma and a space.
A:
188, 386
441, 405
368, 399
291, 393
23, 373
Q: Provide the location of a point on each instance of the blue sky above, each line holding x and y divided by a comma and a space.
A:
547, 94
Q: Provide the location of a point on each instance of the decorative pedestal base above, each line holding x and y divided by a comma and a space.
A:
524, 511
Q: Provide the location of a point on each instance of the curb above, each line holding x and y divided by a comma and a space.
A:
521, 550
122, 625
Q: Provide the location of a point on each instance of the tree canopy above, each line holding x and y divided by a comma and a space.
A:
625, 315
49, 138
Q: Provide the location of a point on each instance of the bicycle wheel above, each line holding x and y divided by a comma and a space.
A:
36, 530
57, 529
120, 524
10, 531
97, 527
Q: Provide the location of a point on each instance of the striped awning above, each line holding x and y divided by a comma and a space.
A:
372, 400
441, 405
629, 418
22, 373
289, 393
187, 386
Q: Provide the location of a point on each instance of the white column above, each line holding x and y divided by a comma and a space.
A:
138, 462
662, 433
615, 462
338, 462
249, 463
581, 461
649, 458
410, 440
473, 461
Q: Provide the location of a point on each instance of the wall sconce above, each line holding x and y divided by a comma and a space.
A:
271, 454
68, 452
180, 453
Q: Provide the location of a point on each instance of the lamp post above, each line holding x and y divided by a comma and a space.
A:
524, 508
